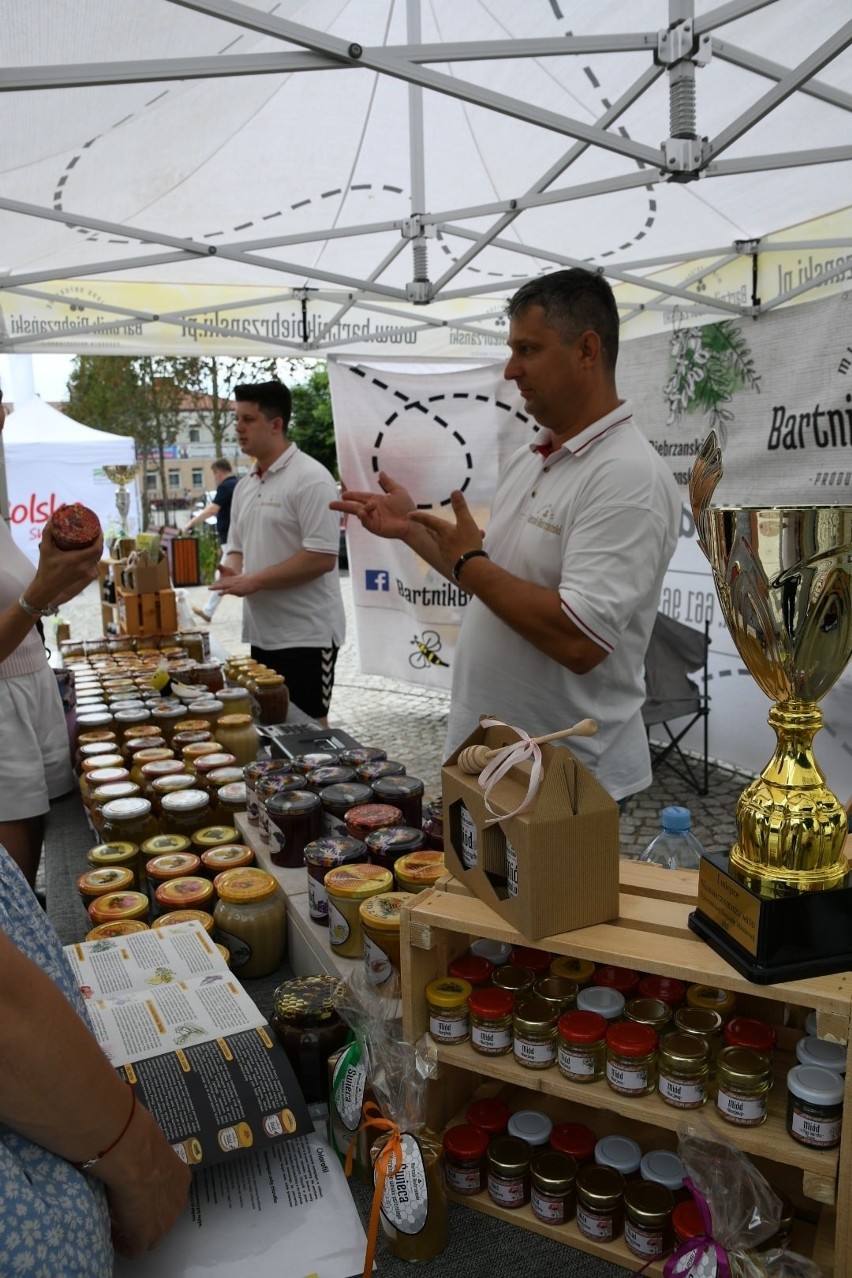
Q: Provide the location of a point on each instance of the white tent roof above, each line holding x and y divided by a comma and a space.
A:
321, 175
43, 426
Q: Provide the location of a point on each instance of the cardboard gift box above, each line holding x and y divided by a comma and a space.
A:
552, 868
146, 575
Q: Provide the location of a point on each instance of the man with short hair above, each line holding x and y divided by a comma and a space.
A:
220, 506
566, 583
282, 552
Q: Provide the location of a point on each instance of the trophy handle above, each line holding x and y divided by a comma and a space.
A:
703, 480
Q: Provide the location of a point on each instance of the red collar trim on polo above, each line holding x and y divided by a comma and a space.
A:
599, 434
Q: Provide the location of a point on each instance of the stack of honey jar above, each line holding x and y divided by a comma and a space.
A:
637, 1034
357, 821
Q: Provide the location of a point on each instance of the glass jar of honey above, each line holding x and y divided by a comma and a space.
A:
354, 756
172, 784
118, 905
332, 774
237, 734
265, 788
417, 871
184, 812
370, 772
125, 855
308, 1027
128, 821
273, 698
380, 920
189, 892
251, 920
197, 749
228, 856
403, 792
346, 887
368, 817
97, 882
337, 800
326, 854
228, 803
252, 773
386, 846
213, 836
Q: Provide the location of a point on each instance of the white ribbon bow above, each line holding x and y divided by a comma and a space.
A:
507, 757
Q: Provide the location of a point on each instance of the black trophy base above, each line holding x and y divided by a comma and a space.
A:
770, 941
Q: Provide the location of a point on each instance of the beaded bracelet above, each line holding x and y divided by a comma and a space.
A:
90, 1162
462, 560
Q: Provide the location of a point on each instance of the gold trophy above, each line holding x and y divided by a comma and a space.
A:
781, 908
121, 475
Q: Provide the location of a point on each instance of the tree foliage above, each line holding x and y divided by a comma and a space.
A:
312, 424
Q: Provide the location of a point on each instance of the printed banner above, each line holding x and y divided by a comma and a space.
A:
778, 392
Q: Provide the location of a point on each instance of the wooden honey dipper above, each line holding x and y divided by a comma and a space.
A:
475, 757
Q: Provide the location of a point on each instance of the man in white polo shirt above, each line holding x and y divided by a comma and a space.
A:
566, 584
283, 544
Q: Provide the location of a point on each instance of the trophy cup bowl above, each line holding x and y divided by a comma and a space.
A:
121, 475
779, 907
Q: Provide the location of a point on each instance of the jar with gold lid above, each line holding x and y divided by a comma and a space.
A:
509, 1171
574, 969
552, 1188
174, 917
558, 991
171, 865
192, 724
648, 1011
213, 836
125, 855
380, 919
251, 920
684, 1070
128, 821
97, 882
118, 905
184, 812
648, 1209
116, 929
308, 1027
238, 735
743, 1080
273, 698
534, 1033
517, 980
226, 856
159, 845
190, 892
703, 1022
131, 748
346, 887
600, 1202
417, 871
322, 855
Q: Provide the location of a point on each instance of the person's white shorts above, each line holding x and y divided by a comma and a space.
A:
35, 758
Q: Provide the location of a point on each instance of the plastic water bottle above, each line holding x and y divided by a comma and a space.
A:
675, 847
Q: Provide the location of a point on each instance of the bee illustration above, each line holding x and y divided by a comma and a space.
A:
162, 976
428, 646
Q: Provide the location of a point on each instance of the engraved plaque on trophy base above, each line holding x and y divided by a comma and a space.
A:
767, 941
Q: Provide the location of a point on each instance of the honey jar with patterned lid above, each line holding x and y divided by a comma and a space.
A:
251, 920
380, 920
118, 928
214, 836
307, 1024
189, 892
173, 917
97, 882
368, 817
252, 773
118, 905
227, 856
123, 854
322, 855
417, 871
346, 887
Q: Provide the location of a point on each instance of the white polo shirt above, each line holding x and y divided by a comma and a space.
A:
598, 521
274, 515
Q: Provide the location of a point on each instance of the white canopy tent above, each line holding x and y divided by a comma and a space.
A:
313, 176
51, 460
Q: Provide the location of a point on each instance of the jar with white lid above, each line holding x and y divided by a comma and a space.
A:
531, 1125
497, 952
184, 812
664, 1168
604, 1000
815, 1106
620, 1152
819, 1051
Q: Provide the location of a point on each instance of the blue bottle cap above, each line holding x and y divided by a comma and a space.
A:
619, 1152
531, 1125
676, 819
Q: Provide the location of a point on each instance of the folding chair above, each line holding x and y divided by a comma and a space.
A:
675, 651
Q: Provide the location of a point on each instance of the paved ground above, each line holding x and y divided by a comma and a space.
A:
409, 723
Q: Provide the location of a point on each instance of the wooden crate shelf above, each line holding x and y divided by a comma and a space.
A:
651, 935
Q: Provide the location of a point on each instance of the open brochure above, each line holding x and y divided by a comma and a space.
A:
179, 1026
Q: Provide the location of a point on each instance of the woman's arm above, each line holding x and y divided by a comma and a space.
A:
60, 1091
61, 574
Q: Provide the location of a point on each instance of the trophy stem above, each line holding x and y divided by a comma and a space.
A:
791, 828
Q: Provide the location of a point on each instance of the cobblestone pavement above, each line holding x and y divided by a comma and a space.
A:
410, 723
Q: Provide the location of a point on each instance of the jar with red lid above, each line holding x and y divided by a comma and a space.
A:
370, 772
491, 1017
687, 1221
472, 968
538, 961
631, 1058
575, 1139
581, 1049
403, 792
666, 988
386, 846
368, 817
322, 855
295, 820
623, 979
266, 787
747, 1031
184, 811
252, 773
465, 1149
337, 800
191, 892
331, 774
490, 1115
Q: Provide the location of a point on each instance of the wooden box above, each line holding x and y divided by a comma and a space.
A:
650, 935
146, 614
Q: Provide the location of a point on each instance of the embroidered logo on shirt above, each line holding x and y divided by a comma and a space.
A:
545, 520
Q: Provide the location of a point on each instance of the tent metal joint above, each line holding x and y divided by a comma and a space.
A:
679, 43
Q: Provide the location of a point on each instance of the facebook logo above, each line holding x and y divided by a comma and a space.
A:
376, 579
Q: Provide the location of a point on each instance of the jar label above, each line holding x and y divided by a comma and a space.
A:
697, 1263
627, 1079
338, 925
239, 950
277, 838
463, 1180
506, 1192
252, 807
493, 1042
405, 1201
748, 1111
449, 1029
347, 1084
377, 966
511, 870
530, 1052
591, 1225
576, 1064
263, 824
684, 1095
547, 1208
820, 1132
332, 824
469, 848
317, 899
642, 1242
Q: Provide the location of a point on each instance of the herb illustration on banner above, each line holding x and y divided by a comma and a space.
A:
710, 364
